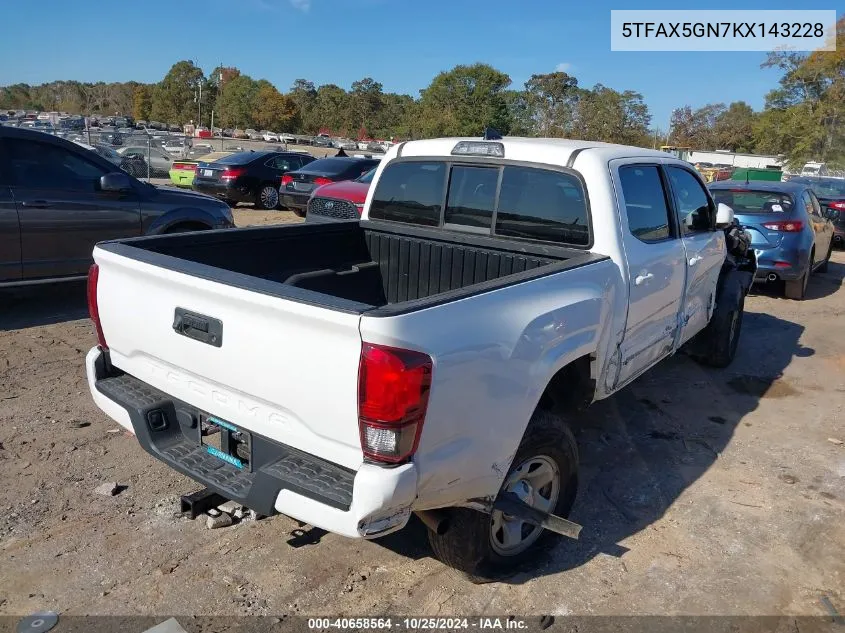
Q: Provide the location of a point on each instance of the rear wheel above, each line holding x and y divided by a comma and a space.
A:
823, 267
186, 227
268, 197
797, 288
544, 474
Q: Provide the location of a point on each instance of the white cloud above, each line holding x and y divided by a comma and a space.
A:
563, 67
301, 5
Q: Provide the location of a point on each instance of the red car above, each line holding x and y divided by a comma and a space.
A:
203, 132
339, 200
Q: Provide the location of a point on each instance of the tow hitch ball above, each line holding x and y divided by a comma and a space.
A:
509, 503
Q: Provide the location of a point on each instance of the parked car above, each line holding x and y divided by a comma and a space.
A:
269, 137
159, 160
182, 171
814, 169
791, 237
297, 186
227, 132
425, 359
322, 141
831, 195
251, 134
111, 137
376, 147
176, 145
203, 132
58, 199
248, 176
285, 137
339, 200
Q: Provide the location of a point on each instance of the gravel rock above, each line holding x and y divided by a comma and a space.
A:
229, 507
224, 520
108, 489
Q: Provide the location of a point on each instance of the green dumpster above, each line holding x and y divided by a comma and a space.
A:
752, 173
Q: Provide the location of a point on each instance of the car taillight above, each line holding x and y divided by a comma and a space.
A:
320, 181
188, 166
393, 388
286, 179
837, 205
785, 226
93, 307
232, 173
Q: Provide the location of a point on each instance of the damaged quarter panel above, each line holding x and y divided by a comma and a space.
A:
489, 373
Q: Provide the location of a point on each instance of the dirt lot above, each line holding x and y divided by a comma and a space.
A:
704, 492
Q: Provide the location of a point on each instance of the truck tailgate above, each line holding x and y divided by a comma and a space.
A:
283, 369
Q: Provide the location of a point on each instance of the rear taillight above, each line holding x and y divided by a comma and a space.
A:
785, 226
93, 307
231, 174
320, 181
187, 166
393, 388
840, 206
286, 179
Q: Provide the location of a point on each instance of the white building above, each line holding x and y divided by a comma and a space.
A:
735, 159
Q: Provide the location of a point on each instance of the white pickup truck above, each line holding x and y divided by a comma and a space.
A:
424, 359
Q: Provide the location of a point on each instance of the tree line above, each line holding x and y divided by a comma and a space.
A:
802, 117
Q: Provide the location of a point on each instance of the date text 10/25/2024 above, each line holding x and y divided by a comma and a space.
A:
415, 624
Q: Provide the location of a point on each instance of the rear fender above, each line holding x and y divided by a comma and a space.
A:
180, 216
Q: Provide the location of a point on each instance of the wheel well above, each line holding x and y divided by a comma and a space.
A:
185, 227
572, 388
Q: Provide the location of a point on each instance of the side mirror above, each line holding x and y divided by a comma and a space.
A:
115, 182
724, 216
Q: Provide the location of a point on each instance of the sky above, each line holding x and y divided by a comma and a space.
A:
401, 43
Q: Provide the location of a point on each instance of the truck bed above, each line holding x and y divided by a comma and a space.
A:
378, 268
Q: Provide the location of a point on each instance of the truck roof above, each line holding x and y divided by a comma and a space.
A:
553, 151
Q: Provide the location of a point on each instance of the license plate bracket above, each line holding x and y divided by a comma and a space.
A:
226, 442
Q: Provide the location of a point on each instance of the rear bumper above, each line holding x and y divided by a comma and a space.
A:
296, 202
771, 262
224, 190
366, 503
182, 177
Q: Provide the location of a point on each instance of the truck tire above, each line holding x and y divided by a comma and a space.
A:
721, 336
482, 546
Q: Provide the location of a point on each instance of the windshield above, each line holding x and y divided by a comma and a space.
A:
749, 201
368, 177
830, 188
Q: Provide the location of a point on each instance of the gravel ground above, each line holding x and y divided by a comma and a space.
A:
703, 492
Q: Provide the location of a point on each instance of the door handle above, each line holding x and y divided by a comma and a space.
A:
35, 204
641, 279
695, 259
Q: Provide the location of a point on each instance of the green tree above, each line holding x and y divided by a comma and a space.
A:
236, 103
273, 110
733, 129
551, 100
304, 95
806, 113
330, 108
465, 100
604, 114
365, 103
142, 103
174, 98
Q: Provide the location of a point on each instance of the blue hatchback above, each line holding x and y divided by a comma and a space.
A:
788, 232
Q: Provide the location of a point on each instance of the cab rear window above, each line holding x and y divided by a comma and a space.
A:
510, 200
